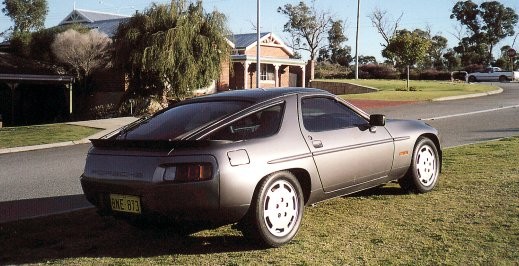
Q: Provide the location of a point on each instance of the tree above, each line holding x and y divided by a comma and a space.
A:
452, 60
308, 25
504, 61
487, 24
499, 22
83, 52
385, 26
407, 48
170, 50
434, 57
27, 15
368, 59
339, 53
39, 47
336, 52
437, 50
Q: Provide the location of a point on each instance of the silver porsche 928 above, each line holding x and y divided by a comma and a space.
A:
255, 158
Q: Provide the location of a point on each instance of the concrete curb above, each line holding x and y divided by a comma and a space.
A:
459, 97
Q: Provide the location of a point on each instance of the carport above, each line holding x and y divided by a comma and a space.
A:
14, 80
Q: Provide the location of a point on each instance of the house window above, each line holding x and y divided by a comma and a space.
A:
267, 72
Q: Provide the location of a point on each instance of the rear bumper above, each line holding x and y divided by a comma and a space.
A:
189, 201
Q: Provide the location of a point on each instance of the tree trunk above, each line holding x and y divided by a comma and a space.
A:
407, 77
489, 59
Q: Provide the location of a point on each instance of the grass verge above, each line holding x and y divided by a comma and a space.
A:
424, 90
472, 218
42, 134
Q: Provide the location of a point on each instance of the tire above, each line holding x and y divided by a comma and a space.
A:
276, 211
472, 79
424, 171
503, 79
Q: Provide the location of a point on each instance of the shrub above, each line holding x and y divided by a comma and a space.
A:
103, 111
331, 71
433, 74
381, 71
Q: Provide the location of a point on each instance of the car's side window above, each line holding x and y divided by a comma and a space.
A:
323, 114
260, 124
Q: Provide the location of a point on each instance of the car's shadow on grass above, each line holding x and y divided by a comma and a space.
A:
84, 234
386, 190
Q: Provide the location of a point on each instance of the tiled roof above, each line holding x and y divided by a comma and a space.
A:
244, 40
99, 16
87, 16
106, 26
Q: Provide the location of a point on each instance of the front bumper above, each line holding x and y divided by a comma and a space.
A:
197, 201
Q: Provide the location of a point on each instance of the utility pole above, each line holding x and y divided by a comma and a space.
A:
357, 42
258, 26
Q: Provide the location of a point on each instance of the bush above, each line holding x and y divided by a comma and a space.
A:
20, 44
103, 111
325, 70
433, 74
373, 71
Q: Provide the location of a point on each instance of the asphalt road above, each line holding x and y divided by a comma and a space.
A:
42, 173
41, 182
467, 121
47, 181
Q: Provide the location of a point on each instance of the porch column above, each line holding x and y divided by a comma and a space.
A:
245, 74
12, 86
276, 73
303, 75
69, 87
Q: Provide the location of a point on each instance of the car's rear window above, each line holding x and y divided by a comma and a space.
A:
182, 119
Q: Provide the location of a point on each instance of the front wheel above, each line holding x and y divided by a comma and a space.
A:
472, 79
276, 211
423, 174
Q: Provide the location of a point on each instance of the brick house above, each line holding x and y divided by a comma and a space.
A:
277, 68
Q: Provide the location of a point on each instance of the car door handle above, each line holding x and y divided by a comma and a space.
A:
317, 143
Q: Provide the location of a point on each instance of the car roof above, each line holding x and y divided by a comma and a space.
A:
256, 95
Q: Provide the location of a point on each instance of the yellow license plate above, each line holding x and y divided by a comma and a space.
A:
125, 203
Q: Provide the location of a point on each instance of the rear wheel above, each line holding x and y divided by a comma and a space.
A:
423, 174
276, 211
472, 79
503, 79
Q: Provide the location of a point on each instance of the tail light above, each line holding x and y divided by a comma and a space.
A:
188, 172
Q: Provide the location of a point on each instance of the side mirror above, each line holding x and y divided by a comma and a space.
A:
377, 120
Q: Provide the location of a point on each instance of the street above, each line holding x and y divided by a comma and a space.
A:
466, 121
43, 181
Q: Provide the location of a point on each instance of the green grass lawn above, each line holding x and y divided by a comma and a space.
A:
471, 218
425, 90
43, 134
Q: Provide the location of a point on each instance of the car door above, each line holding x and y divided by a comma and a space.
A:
346, 150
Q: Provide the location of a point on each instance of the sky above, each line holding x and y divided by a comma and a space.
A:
241, 15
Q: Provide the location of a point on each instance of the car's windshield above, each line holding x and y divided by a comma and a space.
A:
181, 119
